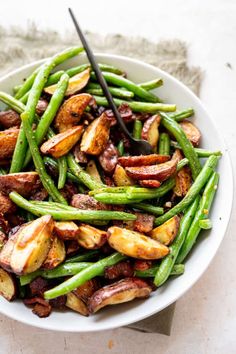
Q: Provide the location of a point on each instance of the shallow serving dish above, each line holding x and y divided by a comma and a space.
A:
173, 91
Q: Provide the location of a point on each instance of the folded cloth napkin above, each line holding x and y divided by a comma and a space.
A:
19, 47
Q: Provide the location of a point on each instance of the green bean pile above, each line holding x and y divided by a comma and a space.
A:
99, 221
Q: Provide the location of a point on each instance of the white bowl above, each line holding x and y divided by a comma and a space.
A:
173, 91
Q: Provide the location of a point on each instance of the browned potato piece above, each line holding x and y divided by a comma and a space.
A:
121, 178
142, 160
56, 254
109, 158
8, 140
177, 155
150, 183
32, 245
86, 290
92, 170
6, 252
6, 205
90, 237
41, 106
150, 130
159, 172
96, 136
144, 223
122, 291
25, 183
191, 131
9, 119
71, 111
166, 232
134, 244
76, 304
76, 83
60, 144
66, 230
7, 285
183, 181
85, 202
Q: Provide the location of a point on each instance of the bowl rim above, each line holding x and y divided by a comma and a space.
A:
126, 321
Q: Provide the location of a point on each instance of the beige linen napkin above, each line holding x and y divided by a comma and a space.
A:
18, 47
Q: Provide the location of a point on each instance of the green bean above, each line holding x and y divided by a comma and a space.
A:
83, 256
177, 269
174, 128
200, 152
83, 176
150, 85
205, 224
95, 89
120, 148
50, 162
129, 85
56, 60
63, 270
49, 113
2, 171
16, 88
168, 262
62, 214
201, 213
137, 130
136, 106
38, 161
194, 190
148, 207
62, 167
134, 193
12, 102
182, 163
179, 116
164, 144
115, 198
107, 189
86, 274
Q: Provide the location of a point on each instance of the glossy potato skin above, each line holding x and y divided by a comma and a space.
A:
121, 178
8, 140
158, 172
183, 181
9, 119
96, 136
191, 131
6, 252
32, 245
71, 111
142, 160
56, 254
119, 292
135, 244
90, 237
150, 130
166, 232
60, 144
109, 158
24, 183
7, 285
66, 230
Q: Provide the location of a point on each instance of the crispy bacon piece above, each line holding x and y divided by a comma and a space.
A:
119, 270
142, 160
38, 286
109, 158
159, 172
39, 195
6, 205
79, 155
59, 302
41, 106
144, 223
41, 307
85, 202
140, 264
125, 112
150, 183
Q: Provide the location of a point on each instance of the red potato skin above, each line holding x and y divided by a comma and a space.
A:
150, 183
142, 160
120, 270
150, 130
41, 106
6, 205
109, 158
158, 172
116, 292
191, 131
25, 183
9, 119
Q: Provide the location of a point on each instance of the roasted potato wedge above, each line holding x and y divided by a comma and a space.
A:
6, 205
25, 183
85, 291
183, 181
66, 230
60, 144
32, 245
177, 155
166, 232
142, 160
121, 178
159, 172
135, 244
90, 237
76, 304
6, 252
191, 131
71, 111
85, 202
92, 170
9, 119
7, 285
109, 158
122, 291
96, 136
56, 254
150, 183
76, 83
150, 130
8, 140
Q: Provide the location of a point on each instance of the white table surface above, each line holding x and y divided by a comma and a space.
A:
205, 317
